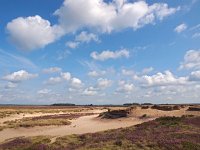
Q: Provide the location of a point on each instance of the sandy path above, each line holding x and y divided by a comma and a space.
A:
85, 124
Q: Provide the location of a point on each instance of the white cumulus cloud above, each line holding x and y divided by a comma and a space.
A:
103, 83
104, 55
32, 32
191, 60
108, 16
85, 37
44, 91
194, 76
76, 83
96, 73
19, 76
91, 91
162, 79
66, 75
125, 87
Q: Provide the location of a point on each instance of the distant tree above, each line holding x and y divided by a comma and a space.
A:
147, 104
63, 104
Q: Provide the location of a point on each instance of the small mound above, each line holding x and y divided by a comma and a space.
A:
166, 108
144, 107
114, 114
193, 109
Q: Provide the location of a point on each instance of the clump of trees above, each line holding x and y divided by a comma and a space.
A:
63, 104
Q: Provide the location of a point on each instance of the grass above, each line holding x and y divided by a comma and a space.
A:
48, 120
33, 123
190, 146
113, 114
166, 133
170, 121
143, 116
6, 111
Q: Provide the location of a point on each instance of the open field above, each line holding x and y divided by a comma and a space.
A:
79, 127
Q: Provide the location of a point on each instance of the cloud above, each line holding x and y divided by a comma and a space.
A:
191, 60
127, 72
196, 35
32, 32
162, 79
83, 37
44, 91
10, 85
63, 54
96, 73
76, 83
103, 83
147, 70
66, 78
195, 30
93, 74
91, 91
52, 70
108, 16
110, 54
53, 80
194, 76
180, 28
125, 87
10, 59
196, 27
19, 76
66, 75
72, 44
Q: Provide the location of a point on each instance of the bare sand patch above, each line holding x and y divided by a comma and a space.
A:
85, 124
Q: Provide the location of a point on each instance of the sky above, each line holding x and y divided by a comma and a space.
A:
99, 51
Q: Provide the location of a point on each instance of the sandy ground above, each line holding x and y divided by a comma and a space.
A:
85, 124
158, 113
20, 116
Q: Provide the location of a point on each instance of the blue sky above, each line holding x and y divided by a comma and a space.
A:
100, 52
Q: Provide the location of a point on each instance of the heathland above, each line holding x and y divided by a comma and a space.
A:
100, 127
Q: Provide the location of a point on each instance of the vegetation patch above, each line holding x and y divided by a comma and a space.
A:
143, 116
166, 107
114, 114
193, 109
6, 111
144, 107
48, 120
169, 121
